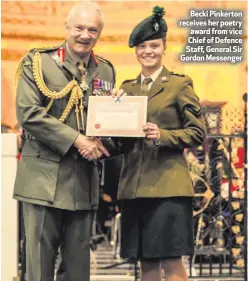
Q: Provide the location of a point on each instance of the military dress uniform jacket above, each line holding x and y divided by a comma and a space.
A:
51, 172
162, 171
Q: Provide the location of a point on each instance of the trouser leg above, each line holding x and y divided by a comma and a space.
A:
43, 227
75, 247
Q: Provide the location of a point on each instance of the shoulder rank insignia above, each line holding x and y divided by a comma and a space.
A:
130, 80
109, 64
177, 74
61, 54
104, 60
45, 49
23, 62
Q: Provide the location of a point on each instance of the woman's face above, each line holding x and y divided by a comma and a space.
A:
149, 53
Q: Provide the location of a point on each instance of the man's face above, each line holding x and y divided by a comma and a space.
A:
149, 53
83, 31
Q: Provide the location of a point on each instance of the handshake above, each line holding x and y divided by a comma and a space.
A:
90, 148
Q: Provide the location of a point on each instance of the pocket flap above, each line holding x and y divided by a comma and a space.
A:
33, 148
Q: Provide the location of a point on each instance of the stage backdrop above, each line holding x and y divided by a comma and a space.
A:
27, 25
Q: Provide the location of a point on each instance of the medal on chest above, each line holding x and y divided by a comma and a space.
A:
101, 87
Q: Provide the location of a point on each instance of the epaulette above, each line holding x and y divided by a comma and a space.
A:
45, 49
177, 74
110, 64
105, 61
24, 62
19, 68
129, 80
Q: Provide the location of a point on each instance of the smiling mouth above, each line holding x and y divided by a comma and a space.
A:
148, 58
84, 43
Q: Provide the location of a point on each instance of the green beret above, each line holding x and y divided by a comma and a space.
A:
153, 27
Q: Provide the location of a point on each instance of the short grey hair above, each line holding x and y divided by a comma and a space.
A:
76, 7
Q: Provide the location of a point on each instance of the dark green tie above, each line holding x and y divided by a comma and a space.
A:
144, 86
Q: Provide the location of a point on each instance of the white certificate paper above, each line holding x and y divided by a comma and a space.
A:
110, 117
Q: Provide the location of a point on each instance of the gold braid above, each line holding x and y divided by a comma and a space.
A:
19, 72
72, 87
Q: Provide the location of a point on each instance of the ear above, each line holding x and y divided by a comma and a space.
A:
66, 26
66, 29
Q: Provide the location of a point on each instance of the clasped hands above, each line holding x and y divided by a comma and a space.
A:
90, 148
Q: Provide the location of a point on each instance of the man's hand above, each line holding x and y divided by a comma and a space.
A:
90, 147
152, 131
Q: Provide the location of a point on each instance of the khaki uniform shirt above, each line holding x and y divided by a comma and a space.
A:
155, 171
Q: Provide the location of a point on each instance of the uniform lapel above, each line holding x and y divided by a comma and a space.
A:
70, 66
92, 69
59, 60
136, 87
159, 84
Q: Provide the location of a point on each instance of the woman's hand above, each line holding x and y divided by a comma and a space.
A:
118, 93
152, 131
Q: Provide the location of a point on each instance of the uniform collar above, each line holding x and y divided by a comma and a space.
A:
70, 64
161, 82
154, 75
74, 60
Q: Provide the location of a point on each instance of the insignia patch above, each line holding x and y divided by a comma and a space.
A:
156, 26
177, 74
61, 54
194, 110
164, 79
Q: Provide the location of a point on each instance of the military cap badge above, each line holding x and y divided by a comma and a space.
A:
153, 27
157, 14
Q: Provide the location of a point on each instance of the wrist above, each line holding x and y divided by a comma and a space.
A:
78, 140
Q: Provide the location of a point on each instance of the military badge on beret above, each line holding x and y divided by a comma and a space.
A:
157, 14
153, 27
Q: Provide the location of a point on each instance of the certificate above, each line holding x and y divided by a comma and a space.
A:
122, 117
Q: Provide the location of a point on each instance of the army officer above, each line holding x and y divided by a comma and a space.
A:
58, 187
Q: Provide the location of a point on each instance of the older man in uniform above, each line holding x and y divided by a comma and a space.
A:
57, 177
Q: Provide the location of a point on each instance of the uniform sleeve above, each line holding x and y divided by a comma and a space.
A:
193, 128
32, 115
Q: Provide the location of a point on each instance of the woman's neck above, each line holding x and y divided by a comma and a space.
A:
148, 71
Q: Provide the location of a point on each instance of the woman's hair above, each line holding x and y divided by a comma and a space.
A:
164, 40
